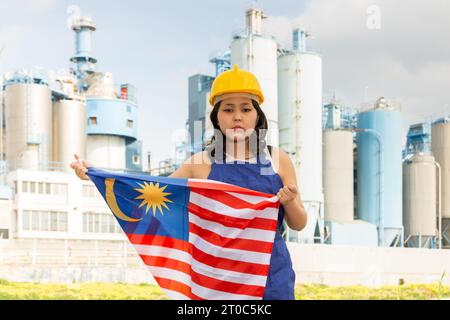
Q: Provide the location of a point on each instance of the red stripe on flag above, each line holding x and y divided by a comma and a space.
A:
232, 222
177, 286
234, 202
226, 187
230, 243
158, 261
162, 241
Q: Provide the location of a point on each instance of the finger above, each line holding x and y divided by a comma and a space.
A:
285, 193
292, 188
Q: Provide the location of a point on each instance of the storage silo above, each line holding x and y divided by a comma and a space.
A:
257, 53
338, 175
300, 124
440, 145
28, 111
69, 132
379, 171
111, 114
420, 201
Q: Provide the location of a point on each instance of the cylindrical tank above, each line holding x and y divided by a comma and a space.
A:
380, 181
300, 118
338, 175
69, 132
300, 124
28, 111
419, 196
258, 54
440, 145
106, 151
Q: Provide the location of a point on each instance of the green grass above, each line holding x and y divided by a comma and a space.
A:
404, 292
119, 291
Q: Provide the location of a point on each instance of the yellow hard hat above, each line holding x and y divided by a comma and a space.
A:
235, 81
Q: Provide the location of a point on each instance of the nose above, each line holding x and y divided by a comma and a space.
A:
237, 116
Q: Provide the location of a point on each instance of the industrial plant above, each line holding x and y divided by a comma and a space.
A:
377, 208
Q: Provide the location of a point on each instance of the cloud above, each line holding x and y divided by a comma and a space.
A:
406, 59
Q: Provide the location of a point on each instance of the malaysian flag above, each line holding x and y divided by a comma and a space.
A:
200, 239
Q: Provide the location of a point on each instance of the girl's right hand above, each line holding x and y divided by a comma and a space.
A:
80, 167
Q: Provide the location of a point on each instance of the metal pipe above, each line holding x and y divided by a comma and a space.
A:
439, 203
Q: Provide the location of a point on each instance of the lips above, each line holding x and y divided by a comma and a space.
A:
237, 128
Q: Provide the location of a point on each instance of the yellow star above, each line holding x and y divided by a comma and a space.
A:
153, 196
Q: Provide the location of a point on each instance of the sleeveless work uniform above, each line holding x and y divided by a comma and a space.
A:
281, 278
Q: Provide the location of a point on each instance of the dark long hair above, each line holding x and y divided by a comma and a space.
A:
259, 133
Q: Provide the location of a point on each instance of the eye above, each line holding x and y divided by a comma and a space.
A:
227, 110
247, 109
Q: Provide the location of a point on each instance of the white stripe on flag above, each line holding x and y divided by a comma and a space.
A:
233, 233
220, 208
252, 199
158, 251
233, 254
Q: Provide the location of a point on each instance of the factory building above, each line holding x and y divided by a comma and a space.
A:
359, 186
45, 121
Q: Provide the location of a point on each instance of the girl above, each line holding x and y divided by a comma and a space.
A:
240, 126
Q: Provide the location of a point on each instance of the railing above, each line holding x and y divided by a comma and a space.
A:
66, 254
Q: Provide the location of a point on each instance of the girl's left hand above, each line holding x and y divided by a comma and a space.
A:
287, 194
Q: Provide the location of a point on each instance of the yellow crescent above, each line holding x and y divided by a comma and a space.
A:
112, 202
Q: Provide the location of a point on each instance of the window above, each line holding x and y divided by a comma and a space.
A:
104, 223
59, 189
26, 220
4, 233
99, 223
45, 221
63, 223
136, 159
47, 188
32, 187
90, 192
130, 123
35, 220
85, 222
41, 188
44, 187
111, 224
53, 221
92, 121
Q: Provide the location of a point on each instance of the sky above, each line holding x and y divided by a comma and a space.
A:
370, 48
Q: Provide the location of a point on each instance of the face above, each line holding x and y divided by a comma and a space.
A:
237, 117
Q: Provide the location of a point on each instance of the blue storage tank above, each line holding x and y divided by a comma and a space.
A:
379, 197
